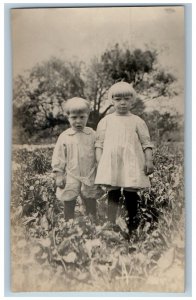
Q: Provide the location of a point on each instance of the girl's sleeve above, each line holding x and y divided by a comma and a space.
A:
100, 134
143, 134
59, 156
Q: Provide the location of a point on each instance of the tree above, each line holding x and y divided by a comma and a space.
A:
39, 96
97, 84
137, 67
124, 65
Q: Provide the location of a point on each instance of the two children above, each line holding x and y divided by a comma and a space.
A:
122, 149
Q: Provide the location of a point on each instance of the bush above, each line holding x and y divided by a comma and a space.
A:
81, 255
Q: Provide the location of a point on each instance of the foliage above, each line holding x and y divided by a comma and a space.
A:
163, 126
38, 98
124, 65
81, 255
40, 94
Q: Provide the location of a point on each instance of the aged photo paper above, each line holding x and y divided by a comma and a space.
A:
60, 53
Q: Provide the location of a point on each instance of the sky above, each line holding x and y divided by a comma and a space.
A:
68, 33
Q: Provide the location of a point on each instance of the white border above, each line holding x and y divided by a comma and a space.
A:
2, 153
6, 124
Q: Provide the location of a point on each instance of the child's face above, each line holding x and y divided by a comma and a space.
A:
122, 103
78, 120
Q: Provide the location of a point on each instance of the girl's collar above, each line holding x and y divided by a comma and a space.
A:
127, 115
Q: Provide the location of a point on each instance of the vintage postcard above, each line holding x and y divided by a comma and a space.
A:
97, 201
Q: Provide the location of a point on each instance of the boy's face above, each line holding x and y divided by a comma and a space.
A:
122, 103
78, 120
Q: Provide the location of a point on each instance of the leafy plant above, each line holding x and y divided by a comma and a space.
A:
81, 255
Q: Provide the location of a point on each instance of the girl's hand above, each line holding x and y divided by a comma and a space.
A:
60, 181
98, 153
149, 168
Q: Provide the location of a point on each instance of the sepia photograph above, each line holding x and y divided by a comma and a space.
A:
97, 192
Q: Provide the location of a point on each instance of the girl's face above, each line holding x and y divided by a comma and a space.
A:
122, 103
78, 120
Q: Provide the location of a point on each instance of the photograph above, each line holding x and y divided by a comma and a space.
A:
98, 120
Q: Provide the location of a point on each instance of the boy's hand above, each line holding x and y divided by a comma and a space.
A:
149, 168
60, 181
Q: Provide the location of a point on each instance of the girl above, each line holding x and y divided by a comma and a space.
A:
124, 153
74, 162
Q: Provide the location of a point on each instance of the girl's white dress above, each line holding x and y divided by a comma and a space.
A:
123, 139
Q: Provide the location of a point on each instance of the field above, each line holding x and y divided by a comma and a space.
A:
51, 255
